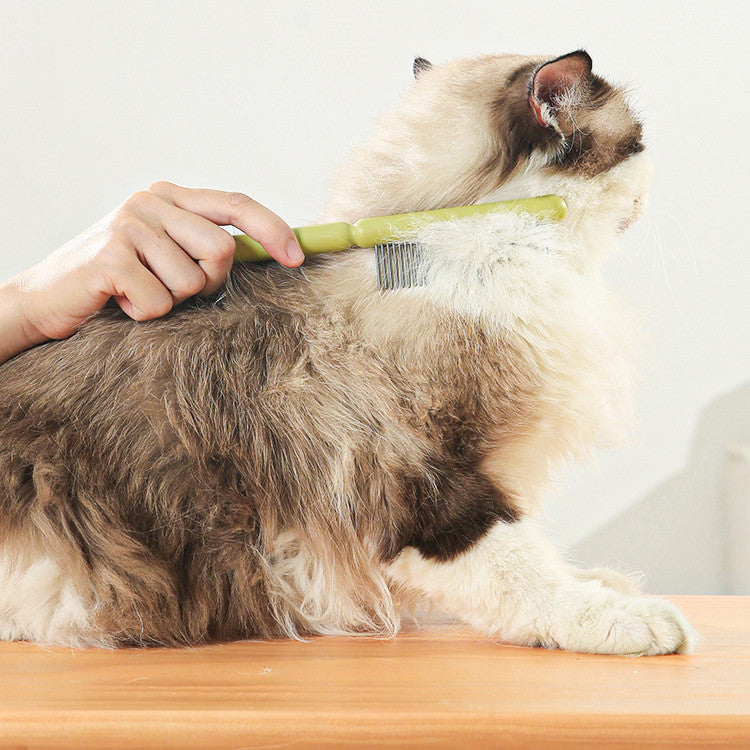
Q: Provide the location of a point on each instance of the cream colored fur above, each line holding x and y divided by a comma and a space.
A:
38, 601
428, 151
315, 593
513, 585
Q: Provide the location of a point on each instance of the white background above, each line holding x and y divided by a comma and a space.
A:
98, 99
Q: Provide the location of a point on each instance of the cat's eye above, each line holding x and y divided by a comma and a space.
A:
635, 146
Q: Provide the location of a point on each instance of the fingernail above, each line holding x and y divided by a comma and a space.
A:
294, 252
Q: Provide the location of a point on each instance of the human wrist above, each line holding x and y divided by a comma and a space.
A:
17, 331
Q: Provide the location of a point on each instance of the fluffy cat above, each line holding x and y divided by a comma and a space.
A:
302, 453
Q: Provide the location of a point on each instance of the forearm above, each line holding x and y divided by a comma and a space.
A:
16, 334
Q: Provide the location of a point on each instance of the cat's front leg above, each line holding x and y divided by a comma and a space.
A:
513, 584
611, 579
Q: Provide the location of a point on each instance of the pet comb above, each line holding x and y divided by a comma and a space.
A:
398, 259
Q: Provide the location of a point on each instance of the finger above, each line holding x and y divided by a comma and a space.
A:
167, 260
138, 292
152, 217
211, 246
239, 210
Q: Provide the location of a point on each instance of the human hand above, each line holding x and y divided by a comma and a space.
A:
159, 247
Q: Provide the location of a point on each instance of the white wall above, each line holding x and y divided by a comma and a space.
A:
97, 99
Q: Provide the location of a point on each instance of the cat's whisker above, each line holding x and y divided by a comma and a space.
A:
661, 259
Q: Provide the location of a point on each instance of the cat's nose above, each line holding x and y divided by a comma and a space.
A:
639, 208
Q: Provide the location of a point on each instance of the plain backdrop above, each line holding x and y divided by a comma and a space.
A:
98, 99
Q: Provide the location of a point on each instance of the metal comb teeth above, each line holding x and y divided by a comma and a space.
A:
399, 265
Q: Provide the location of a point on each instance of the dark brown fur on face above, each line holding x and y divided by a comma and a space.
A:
594, 127
599, 129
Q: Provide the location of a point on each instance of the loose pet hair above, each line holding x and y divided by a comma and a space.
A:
302, 453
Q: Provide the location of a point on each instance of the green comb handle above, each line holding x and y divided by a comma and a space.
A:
315, 239
330, 238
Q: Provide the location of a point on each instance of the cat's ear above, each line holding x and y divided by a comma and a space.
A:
556, 82
420, 65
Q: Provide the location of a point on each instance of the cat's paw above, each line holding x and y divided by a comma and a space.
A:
611, 579
627, 625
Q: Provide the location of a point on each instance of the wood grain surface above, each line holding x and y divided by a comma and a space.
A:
439, 686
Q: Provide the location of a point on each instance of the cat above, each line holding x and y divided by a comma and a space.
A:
303, 454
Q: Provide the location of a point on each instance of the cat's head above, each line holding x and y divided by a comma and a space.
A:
503, 126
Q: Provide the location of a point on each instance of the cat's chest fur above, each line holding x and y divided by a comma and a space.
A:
510, 332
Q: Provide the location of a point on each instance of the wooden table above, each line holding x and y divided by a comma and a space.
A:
439, 687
